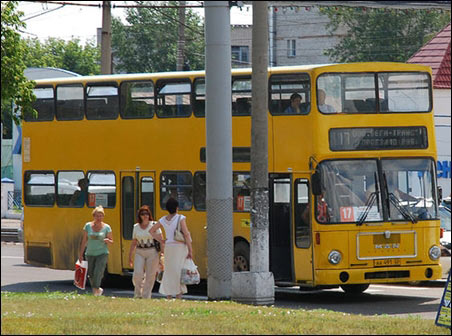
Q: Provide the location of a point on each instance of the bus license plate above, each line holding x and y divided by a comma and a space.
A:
387, 262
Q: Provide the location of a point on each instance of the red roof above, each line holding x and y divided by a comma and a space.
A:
436, 54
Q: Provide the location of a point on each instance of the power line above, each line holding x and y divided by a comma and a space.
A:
39, 14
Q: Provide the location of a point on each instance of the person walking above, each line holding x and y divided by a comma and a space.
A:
96, 236
175, 251
146, 261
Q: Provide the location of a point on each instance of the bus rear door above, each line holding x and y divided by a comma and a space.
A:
137, 189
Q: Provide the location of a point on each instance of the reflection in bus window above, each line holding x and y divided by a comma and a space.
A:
199, 106
241, 191
410, 185
44, 105
282, 87
102, 101
302, 214
199, 190
403, 92
39, 188
173, 99
101, 189
137, 100
177, 185
241, 97
349, 190
70, 102
71, 189
147, 193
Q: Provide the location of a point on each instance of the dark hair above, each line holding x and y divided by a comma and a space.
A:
171, 205
294, 95
144, 208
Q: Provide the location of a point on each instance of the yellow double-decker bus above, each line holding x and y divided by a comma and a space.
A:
352, 176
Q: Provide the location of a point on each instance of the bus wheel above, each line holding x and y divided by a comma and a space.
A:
354, 289
241, 257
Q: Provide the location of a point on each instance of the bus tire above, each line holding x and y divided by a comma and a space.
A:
355, 289
241, 257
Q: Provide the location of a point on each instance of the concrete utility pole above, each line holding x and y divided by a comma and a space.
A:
181, 37
219, 150
105, 63
258, 285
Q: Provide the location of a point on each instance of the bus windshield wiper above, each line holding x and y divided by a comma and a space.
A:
405, 213
369, 203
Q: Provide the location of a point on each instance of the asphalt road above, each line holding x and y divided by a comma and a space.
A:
394, 299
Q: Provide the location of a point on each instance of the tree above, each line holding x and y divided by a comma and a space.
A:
382, 34
15, 86
149, 42
68, 55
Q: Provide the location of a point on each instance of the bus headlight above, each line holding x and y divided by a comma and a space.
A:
334, 257
434, 253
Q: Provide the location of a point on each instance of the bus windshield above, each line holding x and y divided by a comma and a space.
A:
356, 191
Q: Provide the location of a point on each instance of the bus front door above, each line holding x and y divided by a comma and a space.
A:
279, 230
303, 263
137, 189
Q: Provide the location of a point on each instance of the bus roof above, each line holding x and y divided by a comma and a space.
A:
334, 67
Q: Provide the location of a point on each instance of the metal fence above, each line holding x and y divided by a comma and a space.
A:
14, 200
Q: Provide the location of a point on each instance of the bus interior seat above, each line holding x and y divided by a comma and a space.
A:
243, 106
349, 107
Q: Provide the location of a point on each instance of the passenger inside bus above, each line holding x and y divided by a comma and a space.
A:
325, 108
295, 106
79, 196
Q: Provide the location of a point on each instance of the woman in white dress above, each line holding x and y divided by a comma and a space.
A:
147, 257
175, 251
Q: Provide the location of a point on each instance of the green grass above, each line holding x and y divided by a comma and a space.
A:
72, 313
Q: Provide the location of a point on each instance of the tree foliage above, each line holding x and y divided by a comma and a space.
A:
15, 86
148, 43
382, 34
68, 55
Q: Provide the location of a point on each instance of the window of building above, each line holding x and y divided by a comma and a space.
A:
240, 55
291, 48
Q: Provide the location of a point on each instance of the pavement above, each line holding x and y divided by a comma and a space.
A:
10, 223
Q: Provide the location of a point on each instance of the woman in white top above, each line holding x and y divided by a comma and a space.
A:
147, 257
175, 252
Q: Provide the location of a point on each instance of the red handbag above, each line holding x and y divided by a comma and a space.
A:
81, 272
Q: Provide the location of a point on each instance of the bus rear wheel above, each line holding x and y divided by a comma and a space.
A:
354, 289
241, 257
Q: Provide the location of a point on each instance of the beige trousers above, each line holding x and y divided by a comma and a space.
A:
145, 267
175, 255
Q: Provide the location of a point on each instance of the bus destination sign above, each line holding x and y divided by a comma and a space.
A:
378, 138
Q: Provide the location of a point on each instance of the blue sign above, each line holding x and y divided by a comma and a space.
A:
443, 168
443, 315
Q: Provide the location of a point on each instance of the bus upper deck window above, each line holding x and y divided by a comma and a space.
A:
290, 94
44, 105
241, 96
102, 101
173, 99
137, 100
70, 102
199, 107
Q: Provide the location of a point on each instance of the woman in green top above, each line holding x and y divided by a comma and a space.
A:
96, 236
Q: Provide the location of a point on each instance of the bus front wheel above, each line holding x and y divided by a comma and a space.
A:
354, 289
241, 257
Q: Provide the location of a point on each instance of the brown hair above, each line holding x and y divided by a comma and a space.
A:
143, 209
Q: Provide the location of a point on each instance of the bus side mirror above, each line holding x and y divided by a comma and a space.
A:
440, 194
316, 184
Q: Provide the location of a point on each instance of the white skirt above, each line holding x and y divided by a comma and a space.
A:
175, 255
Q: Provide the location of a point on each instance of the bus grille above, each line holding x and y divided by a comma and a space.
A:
39, 254
387, 275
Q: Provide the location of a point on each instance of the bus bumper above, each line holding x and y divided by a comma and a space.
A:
377, 275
